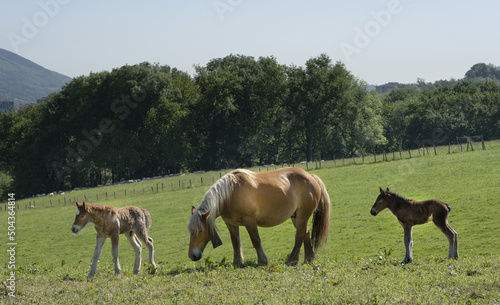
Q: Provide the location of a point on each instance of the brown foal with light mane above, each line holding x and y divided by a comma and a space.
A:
410, 212
110, 222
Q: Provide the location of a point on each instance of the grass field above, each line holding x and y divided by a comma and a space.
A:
358, 265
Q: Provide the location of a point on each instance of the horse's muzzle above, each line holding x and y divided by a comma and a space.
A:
195, 255
373, 212
75, 229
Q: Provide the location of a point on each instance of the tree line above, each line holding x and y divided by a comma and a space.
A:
148, 120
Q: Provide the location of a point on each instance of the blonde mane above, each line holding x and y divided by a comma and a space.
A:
215, 198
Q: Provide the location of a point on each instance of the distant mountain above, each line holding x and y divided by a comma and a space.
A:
22, 81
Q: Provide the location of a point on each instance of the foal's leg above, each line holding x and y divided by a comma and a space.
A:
254, 236
408, 245
143, 235
115, 238
234, 231
97, 254
136, 244
451, 235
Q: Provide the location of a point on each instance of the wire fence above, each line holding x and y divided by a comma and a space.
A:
172, 183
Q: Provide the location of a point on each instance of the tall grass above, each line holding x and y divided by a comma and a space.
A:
359, 263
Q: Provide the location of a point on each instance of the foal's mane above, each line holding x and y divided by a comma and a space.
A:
99, 209
215, 198
398, 196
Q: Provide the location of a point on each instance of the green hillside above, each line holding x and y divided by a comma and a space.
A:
358, 265
22, 81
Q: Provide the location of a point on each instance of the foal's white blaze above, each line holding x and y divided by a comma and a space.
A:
75, 229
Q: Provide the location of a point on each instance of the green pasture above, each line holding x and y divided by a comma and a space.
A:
359, 263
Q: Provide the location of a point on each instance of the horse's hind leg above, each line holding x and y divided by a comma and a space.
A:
308, 250
301, 236
149, 244
451, 235
136, 244
455, 242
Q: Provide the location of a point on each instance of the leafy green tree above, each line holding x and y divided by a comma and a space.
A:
332, 110
234, 115
482, 71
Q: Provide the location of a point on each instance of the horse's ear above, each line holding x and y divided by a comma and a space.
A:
387, 190
192, 210
205, 215
216, 239
381, 191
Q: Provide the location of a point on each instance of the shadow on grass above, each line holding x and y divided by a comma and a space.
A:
208, 265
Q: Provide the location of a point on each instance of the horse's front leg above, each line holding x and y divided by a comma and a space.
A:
114, 251
234, 231
408, 245
97, 254
254, 236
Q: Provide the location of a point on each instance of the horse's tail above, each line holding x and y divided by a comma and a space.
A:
449, 207
321, 218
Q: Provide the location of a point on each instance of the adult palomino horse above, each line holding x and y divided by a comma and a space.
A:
245, 198
410, 213
110, 222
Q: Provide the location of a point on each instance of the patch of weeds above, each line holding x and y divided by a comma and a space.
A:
67, 277
271, 268
452, 270
33, 269
477, 295
384, 255
374, 300
472, 272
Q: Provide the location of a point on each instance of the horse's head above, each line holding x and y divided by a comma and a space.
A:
381, 202
202, 231
81, 219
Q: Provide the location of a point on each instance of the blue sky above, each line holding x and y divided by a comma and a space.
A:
378, 41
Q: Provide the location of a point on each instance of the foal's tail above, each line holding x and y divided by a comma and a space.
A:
449, 207
147, 218
321, 218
